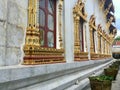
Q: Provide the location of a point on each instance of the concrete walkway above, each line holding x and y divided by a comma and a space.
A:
115, 84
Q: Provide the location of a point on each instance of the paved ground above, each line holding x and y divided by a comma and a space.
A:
115, 84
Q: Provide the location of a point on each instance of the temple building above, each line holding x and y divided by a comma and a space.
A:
54, 44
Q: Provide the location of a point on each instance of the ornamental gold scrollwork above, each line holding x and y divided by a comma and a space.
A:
79, 9
107, 9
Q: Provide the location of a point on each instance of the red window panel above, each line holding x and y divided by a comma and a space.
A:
47, 23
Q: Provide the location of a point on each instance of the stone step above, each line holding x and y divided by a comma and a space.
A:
68, 81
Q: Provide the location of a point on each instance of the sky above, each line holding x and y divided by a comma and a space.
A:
117, 15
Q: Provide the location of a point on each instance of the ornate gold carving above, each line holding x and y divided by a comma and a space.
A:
111, 36
99, 44
109, 23
107, 9
34, 53
102, 2
78, 12
39, 55
103, 46
32, 33
92, 28
79, 56
60, 23
94, 56
92, 22
76, 34
106, 42
91, 40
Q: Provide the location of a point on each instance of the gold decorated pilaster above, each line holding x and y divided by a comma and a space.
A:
103, 46
99, 44
92, 28
60, 23
91, 41
79, 10
107, 48
32, 33
76, 34
32, 7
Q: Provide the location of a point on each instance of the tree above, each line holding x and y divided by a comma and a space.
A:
117, 38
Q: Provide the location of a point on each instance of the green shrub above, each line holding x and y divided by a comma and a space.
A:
101, 78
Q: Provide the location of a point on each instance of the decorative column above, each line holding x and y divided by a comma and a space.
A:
91, 40
76, 34
60, 23
103, 46
99, 48
32, 40
107, 47
32, 33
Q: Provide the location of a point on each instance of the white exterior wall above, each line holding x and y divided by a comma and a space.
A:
69, 30
13, 23
13, 20
100, 16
